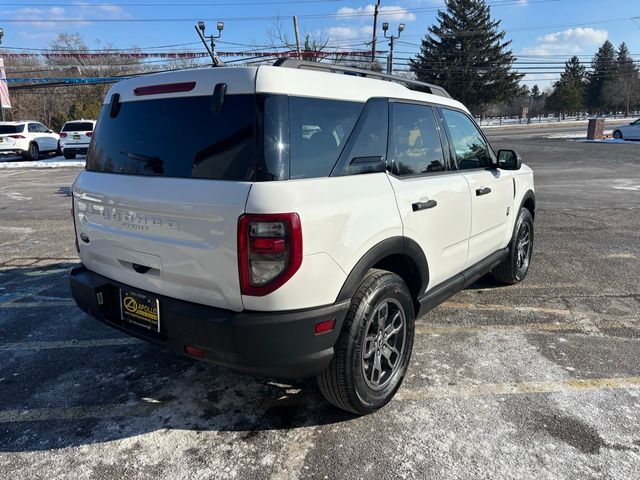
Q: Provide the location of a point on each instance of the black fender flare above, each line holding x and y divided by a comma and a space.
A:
529, 195
390, 246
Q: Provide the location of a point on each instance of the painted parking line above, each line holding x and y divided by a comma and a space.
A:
142, 409
43, 304
504, 308
106, 342
520, 388
523, 327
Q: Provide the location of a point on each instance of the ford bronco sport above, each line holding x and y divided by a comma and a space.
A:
292, 220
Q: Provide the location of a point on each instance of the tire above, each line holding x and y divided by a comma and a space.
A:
514, 268
33, 153
367, 368
69, 156
618, 135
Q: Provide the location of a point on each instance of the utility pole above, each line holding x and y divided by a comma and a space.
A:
392, 39
295, 29
200, 29
375, 27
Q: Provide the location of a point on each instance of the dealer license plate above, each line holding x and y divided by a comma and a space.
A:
140, 309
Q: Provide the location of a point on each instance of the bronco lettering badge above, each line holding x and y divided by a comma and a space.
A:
140, 309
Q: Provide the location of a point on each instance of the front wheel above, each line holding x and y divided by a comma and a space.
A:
374, 348
514, 268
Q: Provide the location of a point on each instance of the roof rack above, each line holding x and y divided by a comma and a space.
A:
360, 72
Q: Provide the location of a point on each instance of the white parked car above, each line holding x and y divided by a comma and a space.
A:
292, 220
75, 137
628, 132
28, 138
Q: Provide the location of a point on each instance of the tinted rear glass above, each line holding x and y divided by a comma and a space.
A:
319, 129
177, 137
5, 129
77, 127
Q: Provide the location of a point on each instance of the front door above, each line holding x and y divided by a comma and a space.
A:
491, 189
433, 200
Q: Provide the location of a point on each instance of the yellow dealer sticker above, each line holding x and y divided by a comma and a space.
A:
140, 309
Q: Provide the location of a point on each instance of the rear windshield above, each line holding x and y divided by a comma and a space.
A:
77, 127
252, 138
177, 137
4, 129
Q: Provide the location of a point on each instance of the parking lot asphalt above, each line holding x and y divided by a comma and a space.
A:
538, 380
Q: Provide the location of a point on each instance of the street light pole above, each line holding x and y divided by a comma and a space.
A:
392, 39
212, 50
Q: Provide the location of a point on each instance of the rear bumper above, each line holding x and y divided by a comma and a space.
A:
77, 149
273, 344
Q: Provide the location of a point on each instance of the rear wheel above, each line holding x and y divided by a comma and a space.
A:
374, 348
69, 155
617, 135
514, 268
33, 152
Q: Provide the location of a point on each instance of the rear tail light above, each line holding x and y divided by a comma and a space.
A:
88, 134
17, 136
269, 251
63, 134
75, 229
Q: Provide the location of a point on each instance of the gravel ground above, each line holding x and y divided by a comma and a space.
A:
539, 380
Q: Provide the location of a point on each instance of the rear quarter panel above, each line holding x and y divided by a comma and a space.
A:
342, 218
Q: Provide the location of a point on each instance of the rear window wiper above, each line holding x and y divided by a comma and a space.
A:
156, 163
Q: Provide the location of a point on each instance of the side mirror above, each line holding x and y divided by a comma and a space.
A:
372, 164
509, 160
49, 131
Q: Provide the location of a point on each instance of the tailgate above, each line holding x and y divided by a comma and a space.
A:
171, 236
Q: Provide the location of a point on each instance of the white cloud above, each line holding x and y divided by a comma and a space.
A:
52, 17
569, 42
342, 33
385, 14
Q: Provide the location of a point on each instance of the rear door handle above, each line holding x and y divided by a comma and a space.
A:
423, 205
482, 191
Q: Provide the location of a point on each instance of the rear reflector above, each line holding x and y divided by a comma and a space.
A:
195, 351
325, 326
164, 88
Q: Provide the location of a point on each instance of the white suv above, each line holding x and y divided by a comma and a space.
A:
28, 139
292, 220
75, 137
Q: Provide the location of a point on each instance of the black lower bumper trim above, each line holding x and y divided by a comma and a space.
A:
273, 344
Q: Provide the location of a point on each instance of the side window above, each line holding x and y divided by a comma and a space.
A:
318, 130
33, 128
42, 128
369, 139
471, 150
416, 141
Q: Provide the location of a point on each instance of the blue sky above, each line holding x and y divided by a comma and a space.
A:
538, 28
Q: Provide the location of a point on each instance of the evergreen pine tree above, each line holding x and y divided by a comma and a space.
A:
568, 94
604, 69
624, 87
535, 92
466, 54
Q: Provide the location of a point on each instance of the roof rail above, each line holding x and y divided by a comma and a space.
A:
360, 72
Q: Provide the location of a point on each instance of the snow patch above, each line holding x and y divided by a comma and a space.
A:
12, 161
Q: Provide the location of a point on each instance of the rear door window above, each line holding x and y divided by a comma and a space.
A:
417, 148
178, 137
